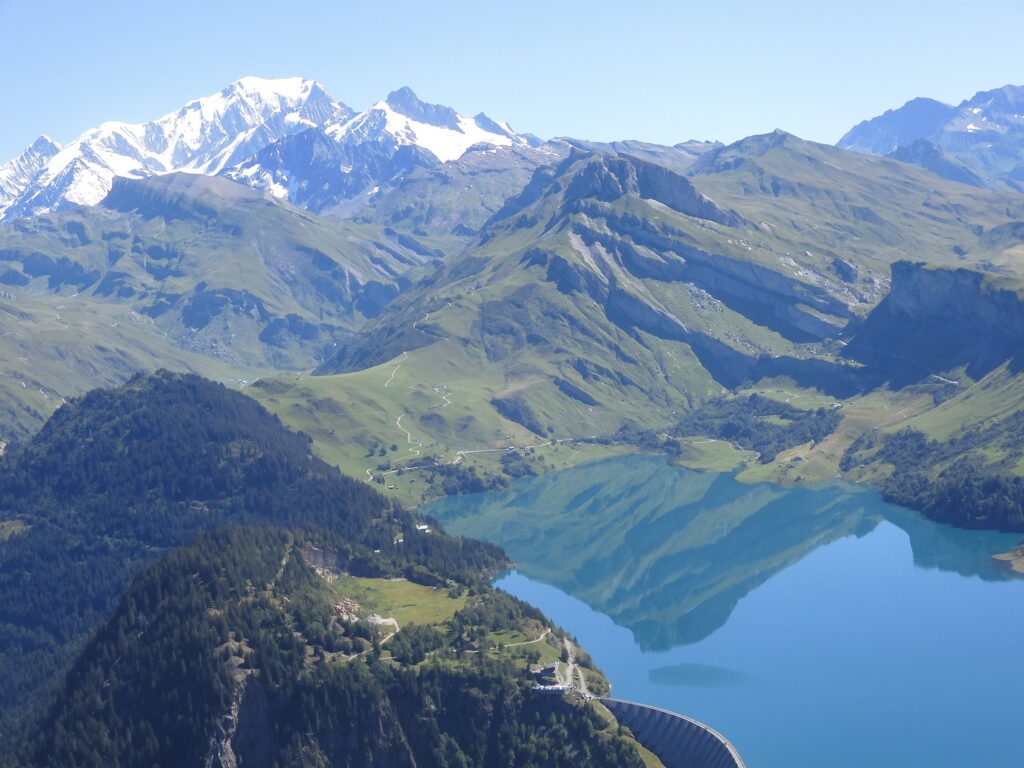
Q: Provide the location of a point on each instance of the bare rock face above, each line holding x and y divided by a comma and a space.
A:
936, 320
608, 178
847, 272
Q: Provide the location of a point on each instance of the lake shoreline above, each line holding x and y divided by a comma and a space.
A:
667, 576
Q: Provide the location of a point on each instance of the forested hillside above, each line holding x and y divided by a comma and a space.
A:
118, 477
238, 651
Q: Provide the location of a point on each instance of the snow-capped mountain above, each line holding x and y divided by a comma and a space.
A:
320, 169
16, 175
985, 132
285, 136
402, 119
917, 119
205, 136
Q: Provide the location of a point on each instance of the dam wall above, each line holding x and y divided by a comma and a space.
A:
678, 741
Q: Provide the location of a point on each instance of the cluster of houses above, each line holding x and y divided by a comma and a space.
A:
548, 679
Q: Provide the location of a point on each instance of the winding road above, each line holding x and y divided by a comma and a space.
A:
391, 378
408, 436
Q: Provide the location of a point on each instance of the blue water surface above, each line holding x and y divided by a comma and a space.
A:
878, 639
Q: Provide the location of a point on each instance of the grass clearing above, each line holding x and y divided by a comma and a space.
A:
712, 455
407, 602
442, 396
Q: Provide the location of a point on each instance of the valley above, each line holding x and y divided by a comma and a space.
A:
585, 315
304, 408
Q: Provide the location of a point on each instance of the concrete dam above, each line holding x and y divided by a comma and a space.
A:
678, 741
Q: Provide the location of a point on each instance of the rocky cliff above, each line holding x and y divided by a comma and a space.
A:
938, 320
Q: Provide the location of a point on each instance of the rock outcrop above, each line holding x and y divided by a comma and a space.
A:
937, 320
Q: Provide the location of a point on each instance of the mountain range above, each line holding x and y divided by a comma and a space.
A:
979, 141
576, 289
286, 136
405, 302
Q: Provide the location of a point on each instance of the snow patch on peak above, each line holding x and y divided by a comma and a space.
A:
293, 89
204, 136
18, 173
440, 130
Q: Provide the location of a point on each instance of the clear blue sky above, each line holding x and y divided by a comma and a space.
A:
659, 71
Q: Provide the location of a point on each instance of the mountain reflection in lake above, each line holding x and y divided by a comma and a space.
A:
812, 626
669, 552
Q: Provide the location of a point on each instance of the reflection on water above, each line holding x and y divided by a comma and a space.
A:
689, 675
668, 552
812, 626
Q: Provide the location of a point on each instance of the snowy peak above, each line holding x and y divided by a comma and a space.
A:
402, 119
345, 165
17, 174
211, 133
205, 136
405, 102
286, 136
984, 133
918, 118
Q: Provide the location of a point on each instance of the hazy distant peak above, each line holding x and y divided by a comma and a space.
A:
405, 102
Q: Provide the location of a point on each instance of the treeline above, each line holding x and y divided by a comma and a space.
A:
760, 424
964, 492
444, 478
415, 642
494, 610
119, 476
222, 622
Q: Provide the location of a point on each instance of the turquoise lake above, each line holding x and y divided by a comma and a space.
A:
814, 627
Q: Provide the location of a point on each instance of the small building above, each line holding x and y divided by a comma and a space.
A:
548, 674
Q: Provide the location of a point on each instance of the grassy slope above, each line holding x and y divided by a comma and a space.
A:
825, 203
971, 405
173, 238
407, 602
53, 351
806, 204
446, 202
94, 293
352, 416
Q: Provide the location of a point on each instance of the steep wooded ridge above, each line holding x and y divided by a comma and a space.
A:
239, 650
119, 477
